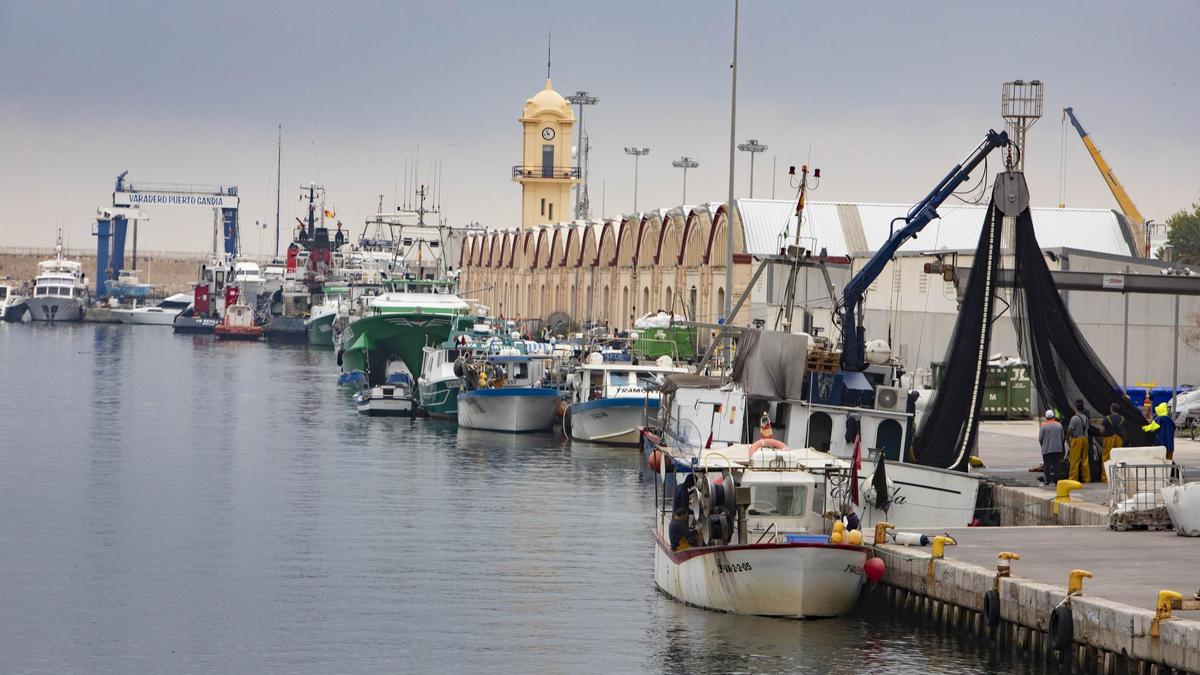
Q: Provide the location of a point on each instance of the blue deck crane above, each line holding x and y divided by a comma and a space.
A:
853, 334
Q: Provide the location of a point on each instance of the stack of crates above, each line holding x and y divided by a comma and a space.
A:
1007, 394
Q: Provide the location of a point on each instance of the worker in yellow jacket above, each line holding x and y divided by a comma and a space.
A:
1077, 445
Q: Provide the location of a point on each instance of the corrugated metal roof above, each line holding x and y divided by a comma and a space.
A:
765, 221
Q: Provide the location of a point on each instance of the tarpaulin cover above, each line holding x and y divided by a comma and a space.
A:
770, 364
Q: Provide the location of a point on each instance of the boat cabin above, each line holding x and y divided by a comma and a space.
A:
608, 375
508, 371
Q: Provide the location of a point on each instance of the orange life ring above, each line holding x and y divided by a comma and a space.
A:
769, 442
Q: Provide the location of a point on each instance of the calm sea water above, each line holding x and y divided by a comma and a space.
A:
173, 504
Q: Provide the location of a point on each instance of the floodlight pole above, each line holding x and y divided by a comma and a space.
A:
582, 206
753, 147
685, 163
637, 155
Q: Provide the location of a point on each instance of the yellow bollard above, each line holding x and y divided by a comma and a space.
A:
881, 532
1162, 611
1062, 492
939, 549
1003, 566
1075, 581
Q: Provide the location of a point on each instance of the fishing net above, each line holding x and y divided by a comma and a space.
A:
1064, 367
951, 423
1062, 364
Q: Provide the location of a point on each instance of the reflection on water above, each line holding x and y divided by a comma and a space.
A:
174, 504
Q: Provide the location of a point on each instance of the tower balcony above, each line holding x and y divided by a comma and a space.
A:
539, 171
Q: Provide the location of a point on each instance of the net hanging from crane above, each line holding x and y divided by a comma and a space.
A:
1063, 366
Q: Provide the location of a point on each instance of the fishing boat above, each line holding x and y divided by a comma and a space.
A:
742, 530
442, 366
238, 324
162, 314
210, 296
12, 303
399, 324
60, 290
393, 398
506, 393
611, 397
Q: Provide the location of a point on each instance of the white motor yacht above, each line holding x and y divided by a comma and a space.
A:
162, 314
12, 303
60, 290
251, 282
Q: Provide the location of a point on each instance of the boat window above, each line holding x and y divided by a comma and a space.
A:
41, 290
778, 500
520, 371
3, 292
618, 378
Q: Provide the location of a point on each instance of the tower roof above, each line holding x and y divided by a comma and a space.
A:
548, 102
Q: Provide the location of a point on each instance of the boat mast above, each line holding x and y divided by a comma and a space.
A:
278, 183
729, 204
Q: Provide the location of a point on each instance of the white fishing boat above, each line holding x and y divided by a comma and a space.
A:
612, 397
251, 282
742, 530
60, 290
393, 398
505, 393
162, 314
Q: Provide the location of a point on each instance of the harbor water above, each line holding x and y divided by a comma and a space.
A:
175, 504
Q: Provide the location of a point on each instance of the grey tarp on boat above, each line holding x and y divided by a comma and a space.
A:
676, 381
770, 364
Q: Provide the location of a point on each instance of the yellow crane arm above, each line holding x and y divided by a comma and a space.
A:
1131, 212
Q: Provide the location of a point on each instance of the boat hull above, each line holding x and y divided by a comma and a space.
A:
190, 325
369, 342
137, 318
800, 580
246, 333
616, 421
14, 312
440, 398
320, 330
55, 310
513, 410
383, 402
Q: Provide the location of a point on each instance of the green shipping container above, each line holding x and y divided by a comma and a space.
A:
677, 342
1006, 390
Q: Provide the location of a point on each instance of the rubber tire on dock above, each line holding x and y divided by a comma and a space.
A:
991, 609
1062, 628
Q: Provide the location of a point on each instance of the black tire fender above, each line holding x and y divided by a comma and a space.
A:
1062, 628
991, 609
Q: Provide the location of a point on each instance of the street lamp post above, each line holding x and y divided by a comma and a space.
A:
582, 207
685, 163
753, 147
637, 155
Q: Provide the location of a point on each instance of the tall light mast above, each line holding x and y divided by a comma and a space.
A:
582, 206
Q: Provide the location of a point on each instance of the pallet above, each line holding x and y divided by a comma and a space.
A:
822, 361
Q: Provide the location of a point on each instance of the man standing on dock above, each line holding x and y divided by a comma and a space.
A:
1077, 445
1051, 438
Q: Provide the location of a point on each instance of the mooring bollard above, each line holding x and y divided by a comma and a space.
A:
1167, 600
991, 599
939, 544
1062, 492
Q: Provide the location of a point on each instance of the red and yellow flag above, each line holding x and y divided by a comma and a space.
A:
329, 214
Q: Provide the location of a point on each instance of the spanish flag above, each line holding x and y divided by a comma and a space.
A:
329, 214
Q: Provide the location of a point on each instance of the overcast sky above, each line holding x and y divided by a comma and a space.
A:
888, 95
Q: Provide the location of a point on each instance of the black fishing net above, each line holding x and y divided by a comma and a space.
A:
951, 423
1062, 364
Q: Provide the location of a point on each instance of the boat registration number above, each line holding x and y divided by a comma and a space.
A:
856, 570
733, 567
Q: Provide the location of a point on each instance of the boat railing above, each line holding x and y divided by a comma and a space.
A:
766, 532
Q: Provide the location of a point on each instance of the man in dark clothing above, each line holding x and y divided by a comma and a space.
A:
1052, 439
1077, 445
1112, 435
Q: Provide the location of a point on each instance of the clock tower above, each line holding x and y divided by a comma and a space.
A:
547, 171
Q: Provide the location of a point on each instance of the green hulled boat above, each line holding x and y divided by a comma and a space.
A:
399, 325
439, 384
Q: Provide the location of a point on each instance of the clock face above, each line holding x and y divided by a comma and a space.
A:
548, 134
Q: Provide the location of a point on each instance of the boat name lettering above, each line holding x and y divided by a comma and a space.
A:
734, 567
630, 390
856, 570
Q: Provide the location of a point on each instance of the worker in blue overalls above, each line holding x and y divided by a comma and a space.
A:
1164, 429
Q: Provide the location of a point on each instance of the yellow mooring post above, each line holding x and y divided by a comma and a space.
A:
1075, 581
1167, 600
939, 549
1003, 566
881, 529
1062, 492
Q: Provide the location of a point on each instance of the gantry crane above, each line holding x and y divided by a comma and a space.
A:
1137, 222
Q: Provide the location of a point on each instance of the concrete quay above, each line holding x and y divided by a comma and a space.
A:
1113, 615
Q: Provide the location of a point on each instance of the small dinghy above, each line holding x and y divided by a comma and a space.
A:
393, 398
